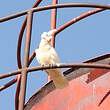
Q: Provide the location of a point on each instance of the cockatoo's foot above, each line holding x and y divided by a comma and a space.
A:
42, 66
51, 65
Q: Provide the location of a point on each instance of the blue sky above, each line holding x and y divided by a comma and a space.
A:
81, 41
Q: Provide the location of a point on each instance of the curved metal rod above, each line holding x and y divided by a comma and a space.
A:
20, 42
10, 83
104, 97
66, 5
21, 35
78, 18
63, 65
17, 92
53, 25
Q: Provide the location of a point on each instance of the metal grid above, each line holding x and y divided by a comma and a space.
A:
22, 71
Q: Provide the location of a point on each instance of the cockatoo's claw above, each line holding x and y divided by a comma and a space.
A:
42, 66
52, 65
49, 65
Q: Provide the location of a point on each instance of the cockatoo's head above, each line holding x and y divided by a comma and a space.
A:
47, 36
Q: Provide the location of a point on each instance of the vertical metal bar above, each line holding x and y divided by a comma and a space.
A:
53, 24
19, 56
53, 20
25, 61
53, 15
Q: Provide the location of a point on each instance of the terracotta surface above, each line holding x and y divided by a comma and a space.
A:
78, 96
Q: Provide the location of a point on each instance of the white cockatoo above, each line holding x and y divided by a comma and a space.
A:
46, 55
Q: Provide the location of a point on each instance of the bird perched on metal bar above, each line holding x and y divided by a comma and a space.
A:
46, 55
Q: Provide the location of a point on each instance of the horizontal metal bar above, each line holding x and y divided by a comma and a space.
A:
66, 5
63, 65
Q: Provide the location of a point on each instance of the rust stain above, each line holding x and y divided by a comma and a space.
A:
95, 74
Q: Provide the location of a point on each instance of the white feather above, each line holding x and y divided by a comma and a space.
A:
45, 55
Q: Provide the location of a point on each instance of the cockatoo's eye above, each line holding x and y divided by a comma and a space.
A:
45, 34
44, 38
49, 38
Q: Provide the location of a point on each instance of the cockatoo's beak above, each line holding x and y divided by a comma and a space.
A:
49, 38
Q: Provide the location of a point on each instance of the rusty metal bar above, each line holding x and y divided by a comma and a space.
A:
37, 3
67, 5
74, 20
93, 60
54, 15
12, 16
53, 20
17, 91
25, 61
20, 42
8, 84
19, 56
53, 25
62, 65
31, 57
104, 97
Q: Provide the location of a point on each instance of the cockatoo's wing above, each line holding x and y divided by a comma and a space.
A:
37, 55
54, 57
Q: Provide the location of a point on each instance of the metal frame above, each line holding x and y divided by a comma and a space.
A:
23, 70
